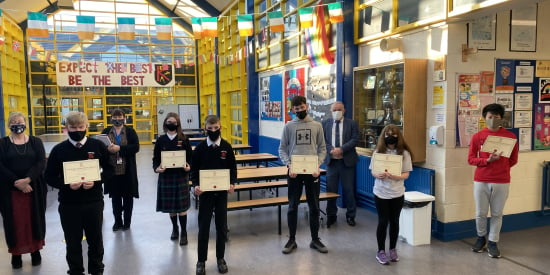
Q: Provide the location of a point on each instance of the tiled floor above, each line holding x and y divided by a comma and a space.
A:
255, 246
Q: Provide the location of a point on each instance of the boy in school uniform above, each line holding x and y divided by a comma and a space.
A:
212, 153
80, 204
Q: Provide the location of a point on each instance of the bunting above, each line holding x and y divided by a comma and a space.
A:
126, 28
317, 41
209, 26
164, 28
197, 27
335, 13
306, 17
245, 24
85, 26
37, 24
276, 22
1, 22
178, 63
2, 40
16, 46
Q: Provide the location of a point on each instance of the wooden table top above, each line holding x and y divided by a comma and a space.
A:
264, 173
257, 157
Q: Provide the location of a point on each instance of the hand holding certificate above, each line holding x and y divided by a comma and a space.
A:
173, 159
214, 179
497, 144
304, 164
81, 171
387, 163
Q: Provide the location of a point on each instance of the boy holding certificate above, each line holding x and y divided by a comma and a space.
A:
214, 153
389, 189
303, 136
491, 178
80, 203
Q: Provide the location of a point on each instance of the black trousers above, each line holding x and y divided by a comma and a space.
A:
212, 202
122, 204
338, 172
295, 186
389, 211
74, 220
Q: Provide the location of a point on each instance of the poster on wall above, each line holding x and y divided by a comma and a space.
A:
294, 84
321, 91
524, 139
486, 82
468, 91
271, 98
544, 90
541, 140
504, 76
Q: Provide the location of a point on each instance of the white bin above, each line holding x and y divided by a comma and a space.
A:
415, 223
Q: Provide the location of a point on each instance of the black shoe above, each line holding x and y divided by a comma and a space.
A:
331, 220
479, 245
350, 221
36, 258
117, 227
200, 268
492, 250
16, 261
126, 226
318, 245
175, 233
222, 266
183, 238
290, 246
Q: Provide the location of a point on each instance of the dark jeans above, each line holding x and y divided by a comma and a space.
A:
122, 204
212, 202
388, 212
88, 218
295, 186
338, 172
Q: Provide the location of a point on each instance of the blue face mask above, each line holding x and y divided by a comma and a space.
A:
18, 128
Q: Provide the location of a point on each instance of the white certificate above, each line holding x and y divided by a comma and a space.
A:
382, 163
103, 138
81, 171
496, 144
172, 159
304, 164
214, 180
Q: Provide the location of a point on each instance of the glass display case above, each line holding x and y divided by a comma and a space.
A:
392, 93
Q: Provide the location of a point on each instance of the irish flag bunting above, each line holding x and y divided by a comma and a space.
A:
306, 17
164, 28
276, 22
245, 25
85, 26
197, 27
209, 26
126, 28
1, 22
37, 24
317, 41
335, 12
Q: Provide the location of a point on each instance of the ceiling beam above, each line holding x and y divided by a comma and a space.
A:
175, 17
207, 7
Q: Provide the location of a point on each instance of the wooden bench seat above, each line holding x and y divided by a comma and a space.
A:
275, 201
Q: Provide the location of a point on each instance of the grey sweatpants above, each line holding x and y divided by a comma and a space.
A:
492, 195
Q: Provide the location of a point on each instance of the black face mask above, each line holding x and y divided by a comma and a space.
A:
390, 140
77, 135
301, 114
118, 122
171, 126
18, 128
213, 135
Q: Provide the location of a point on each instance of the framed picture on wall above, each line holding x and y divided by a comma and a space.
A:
523, 29
482, 33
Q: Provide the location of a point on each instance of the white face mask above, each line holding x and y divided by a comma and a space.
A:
493, 123
337, 115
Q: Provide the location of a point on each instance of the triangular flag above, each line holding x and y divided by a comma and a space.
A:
245, 24
16, 46
2, 40
317, 41
197, 28
32, 52
209, 26
178, 63
306, 17
164, 28
276, 22
37, 24
85, 25
126, 28
335, 12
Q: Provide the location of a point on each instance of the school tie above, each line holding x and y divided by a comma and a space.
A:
78, 145
337, 134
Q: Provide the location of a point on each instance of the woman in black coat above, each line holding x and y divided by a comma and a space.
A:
22, 192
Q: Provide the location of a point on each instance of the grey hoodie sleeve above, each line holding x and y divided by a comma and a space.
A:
284, 147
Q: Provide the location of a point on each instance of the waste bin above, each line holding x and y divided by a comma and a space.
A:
415, 221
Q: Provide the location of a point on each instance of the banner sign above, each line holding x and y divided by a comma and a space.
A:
117, 74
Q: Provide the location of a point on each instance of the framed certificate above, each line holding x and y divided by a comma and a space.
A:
214, 180
496, 144
382, 163
81, 171
172, 159
304, 164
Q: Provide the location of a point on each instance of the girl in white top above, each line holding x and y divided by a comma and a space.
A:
389, 191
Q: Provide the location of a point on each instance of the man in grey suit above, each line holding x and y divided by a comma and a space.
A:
341, 137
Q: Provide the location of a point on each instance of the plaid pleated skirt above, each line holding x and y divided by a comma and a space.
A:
173, 193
